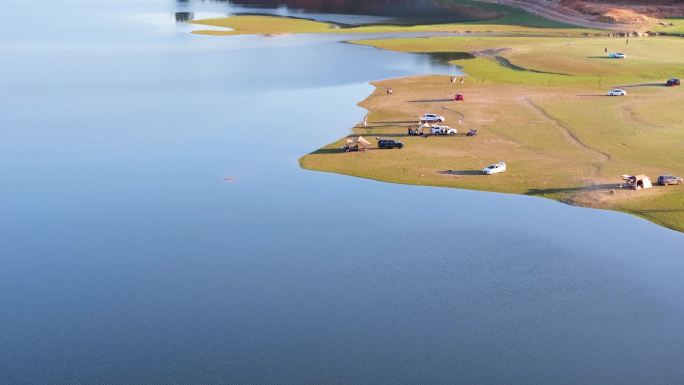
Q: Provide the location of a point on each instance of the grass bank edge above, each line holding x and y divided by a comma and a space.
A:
511, 21
654, 209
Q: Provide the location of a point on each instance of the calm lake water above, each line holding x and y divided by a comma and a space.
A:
126, 259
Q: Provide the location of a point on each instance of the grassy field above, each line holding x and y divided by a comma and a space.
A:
545, 114
514, 16
677, 28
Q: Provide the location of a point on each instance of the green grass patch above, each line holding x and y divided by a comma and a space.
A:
555, 61
514, 16
676, 28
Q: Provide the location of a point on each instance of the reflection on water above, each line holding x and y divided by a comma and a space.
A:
403, 11
184, 17
446, 57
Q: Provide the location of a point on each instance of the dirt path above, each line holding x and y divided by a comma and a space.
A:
601, 157
552, 10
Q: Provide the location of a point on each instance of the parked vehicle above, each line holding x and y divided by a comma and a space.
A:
384, 143
443, 130
673, 82
665, 180
459, 98
432, 118
495, 168
617, 55
617, 92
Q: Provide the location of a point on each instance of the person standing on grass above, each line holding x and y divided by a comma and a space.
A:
462, 80
365, 121
605, 50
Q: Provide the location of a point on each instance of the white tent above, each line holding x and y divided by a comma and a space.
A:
636, 182
360, 140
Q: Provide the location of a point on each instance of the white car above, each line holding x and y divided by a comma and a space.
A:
432, 118
495, 168
617, 92
618, 55
443, 130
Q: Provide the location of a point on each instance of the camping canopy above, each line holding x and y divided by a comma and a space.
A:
637, 182
360, 140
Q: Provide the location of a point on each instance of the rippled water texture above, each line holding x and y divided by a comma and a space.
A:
156, 228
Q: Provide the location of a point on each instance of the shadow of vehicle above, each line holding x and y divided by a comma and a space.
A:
430, 100
390, 122
460, 172
643, 85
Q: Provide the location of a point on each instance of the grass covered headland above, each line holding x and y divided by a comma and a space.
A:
273, 25
538, 100
539, 104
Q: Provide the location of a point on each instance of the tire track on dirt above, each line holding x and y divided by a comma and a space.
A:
600, 156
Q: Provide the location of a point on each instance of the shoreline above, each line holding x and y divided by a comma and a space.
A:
590, 181
538, 99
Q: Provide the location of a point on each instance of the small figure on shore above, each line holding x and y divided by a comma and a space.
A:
462, 80
452, 79
460, 120
605, 50
365, 121
627, 42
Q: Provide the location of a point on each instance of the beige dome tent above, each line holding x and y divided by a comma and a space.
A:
636, 182
359, 140
356, 144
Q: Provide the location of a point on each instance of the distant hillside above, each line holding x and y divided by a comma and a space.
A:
627, 11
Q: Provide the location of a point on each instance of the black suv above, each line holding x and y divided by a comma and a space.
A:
664, 180
389, 143
673, 82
